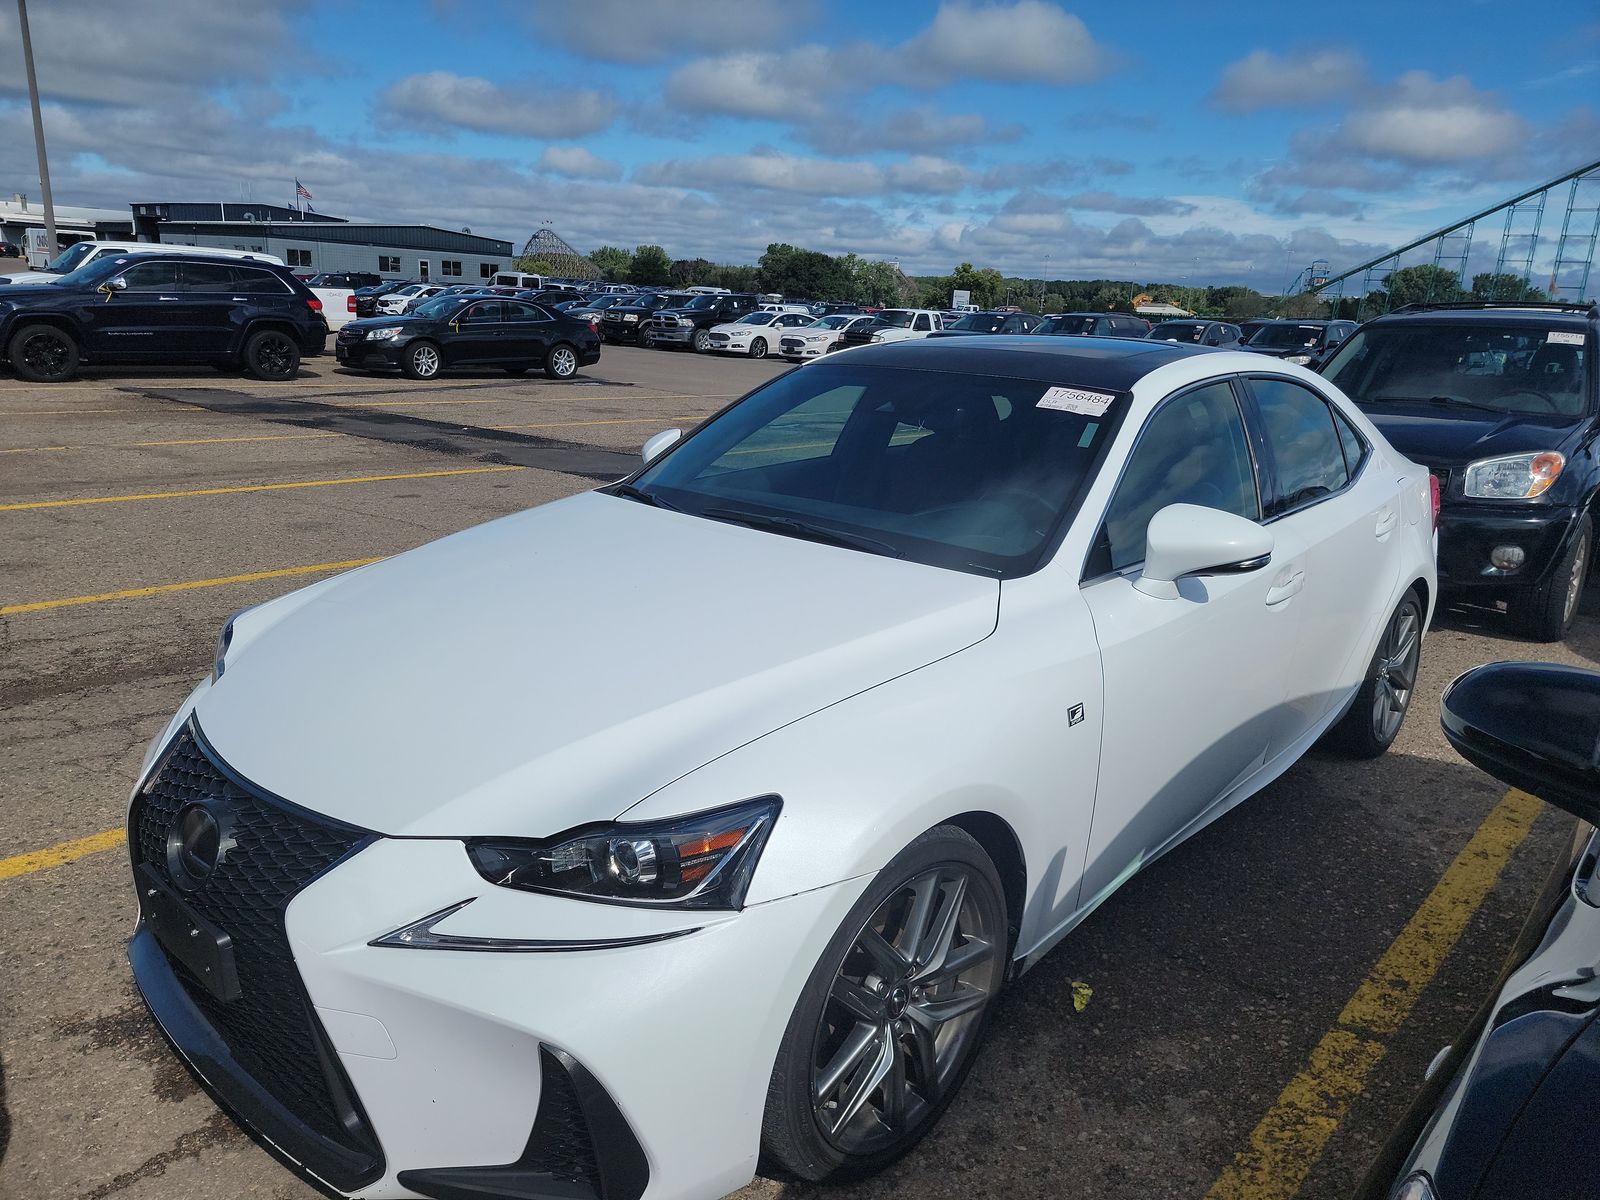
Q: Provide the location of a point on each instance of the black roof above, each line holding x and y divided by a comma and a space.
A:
1518, 315
1308, 322
1111, 364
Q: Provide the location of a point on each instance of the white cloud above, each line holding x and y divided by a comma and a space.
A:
1264, 79
913, 129
788, 86
440, 101
1422, 120
1026, 41
577, 163
635, 31
773, 171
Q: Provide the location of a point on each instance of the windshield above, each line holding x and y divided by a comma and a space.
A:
835, 322
898, 317
701, 303
1533, 370
657, 301
438, 306
968, 472
1177, 331
979, 322
757, 318
1071, 323
1283, 337
71, 258
93, 273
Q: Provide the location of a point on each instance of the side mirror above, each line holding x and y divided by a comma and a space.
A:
653, 448
1187, 539
1535, 726
119, 284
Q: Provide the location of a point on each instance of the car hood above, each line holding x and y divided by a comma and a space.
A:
964, 333
1449, 438
556, 667
385, 322
734, 329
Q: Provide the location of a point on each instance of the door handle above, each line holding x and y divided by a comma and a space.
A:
1387, 520
166, 297
1286, 585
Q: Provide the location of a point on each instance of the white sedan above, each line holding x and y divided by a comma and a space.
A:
601, 849
757, 333
806, 342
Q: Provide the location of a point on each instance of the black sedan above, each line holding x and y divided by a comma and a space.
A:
471, 331
972, 324
1507, 1112
1197, 333
1302, 342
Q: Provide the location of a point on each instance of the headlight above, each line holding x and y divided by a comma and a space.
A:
387, 334
1414, 1187
701, 861
1301, 359
630, 316
1514, 477
877, 337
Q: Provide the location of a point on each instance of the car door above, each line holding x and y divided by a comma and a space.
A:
1327, 496
142, 319
1194, 687
478, 334
528, 331
209, 297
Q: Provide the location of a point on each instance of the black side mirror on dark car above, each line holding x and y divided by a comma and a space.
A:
1535, 726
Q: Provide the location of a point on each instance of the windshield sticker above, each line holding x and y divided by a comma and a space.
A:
1565, 339
1076, 400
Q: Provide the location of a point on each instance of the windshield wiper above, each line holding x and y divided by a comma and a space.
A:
628, 492
1442, 401
790, 527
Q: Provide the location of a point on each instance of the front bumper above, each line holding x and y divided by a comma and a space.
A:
1469, 531
362, 353
664, 1048
681, 335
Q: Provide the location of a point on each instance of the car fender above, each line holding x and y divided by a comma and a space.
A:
982, 731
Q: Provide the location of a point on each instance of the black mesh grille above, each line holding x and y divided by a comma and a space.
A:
275, 854
561, 1145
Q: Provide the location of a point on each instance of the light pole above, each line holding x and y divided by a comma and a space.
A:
38, 134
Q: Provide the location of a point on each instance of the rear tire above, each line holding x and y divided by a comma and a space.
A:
1381, 704
561, 362
421, 360
272, 355
44, 354
918, 960
1545, 613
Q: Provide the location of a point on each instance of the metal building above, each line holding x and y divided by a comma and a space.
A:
311, 242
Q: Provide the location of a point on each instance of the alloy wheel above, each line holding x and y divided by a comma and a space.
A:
426, 360
904, 1009
45, 353
1397, 672
274, 356
1575, 579
563, 361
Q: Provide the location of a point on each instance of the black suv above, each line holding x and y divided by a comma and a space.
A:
690, 325
1197, 333
1500, 403
466, 330
1302, 342
624, 322
344, 279
156, 309
1089, 324
972, 324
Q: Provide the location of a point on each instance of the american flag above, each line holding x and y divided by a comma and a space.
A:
300, 190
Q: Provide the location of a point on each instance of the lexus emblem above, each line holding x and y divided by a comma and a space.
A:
196, 843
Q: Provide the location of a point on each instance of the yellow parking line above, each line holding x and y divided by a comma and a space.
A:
53, 412
60, 854
188, 586
35, 449
275, 437
255, 487
1287, 1142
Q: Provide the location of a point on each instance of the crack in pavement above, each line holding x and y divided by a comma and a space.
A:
215, 1131
477, 442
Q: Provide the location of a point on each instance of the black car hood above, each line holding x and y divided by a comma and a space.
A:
1445, 437
385, 322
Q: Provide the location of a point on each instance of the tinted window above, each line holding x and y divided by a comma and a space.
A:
207, 277
252, 281
152, 277
1192, 451
490, 310
516, 311
922, 322
1305, 444
1351, 442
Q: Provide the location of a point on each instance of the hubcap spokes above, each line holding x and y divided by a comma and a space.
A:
903, 1008
565, 363
1397, 674
45, 354
427, 361
1580, 564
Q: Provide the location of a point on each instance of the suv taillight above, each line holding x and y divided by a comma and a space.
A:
1433, 494
350, 303
314, 304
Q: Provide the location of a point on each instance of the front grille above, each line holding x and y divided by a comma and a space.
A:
561, 1145
270, 1029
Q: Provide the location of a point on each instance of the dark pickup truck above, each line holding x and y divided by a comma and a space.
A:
690, 325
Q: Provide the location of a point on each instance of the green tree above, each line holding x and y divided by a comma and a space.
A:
1110, 298
1303, 305
1504, 285
613, 263
807, 274
651, 267
1053, 302
875, 283
687, 272
1422, 284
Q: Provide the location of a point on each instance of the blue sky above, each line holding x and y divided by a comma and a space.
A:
1189, 143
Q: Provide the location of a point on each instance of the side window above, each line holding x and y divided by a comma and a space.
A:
516, 311
1306, 450
1104, 327
487, 312
207, 277
152, 277
1192, 451
250, 281
922, 323
1351, 442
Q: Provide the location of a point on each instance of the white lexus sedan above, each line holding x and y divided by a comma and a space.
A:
757, 333
600, 849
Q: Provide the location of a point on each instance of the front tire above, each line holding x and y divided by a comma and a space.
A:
1545, 613
44, 354
758, 348
561, 362
421, 360
272, 355
892, 1016
1380, 706
702, 341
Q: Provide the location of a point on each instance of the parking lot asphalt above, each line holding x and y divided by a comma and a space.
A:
1208, 1033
